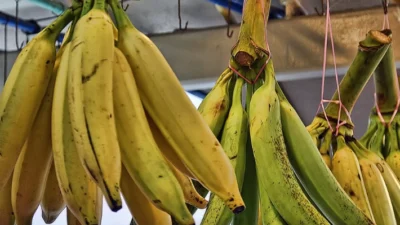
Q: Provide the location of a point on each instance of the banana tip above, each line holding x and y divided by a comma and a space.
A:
238, 210
47, 218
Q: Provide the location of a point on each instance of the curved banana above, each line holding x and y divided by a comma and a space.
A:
391, 181
174, 114
53, 202
80, 193
234, 139
215, 106
141, 155
91, 103
190, 193
377, 192
34, 162
23, 92
315, 176
166, 148
346, 169
143, 211
6, 212
272, 162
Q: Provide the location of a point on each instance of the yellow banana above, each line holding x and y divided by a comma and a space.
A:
80, 193
166, 148
6, 212
141, 155
391, 181
34, 162
71, 219
215, 106
379, 182
174, 114
190, 193
234, 139
377, 192
143, 211
90, 102
346, 169
53, 202
23, 92
275, 173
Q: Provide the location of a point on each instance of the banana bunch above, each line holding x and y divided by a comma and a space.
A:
105, 122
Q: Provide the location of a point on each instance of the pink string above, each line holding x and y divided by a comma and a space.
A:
378, 111
266, 61
328, 29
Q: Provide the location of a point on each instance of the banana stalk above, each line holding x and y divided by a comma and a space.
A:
251, 44
371, 50
386, 83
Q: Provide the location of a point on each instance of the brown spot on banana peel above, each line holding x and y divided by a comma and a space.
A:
116, 206
86, 78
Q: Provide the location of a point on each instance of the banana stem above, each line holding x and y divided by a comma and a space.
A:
370, 52
99, 4
252, 44
87, 6
120, 16
386, 83
55, 28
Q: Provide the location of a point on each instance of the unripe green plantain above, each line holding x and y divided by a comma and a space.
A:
273, 167
234, 139
316, 178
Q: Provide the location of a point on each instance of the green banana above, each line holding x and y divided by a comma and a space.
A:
215, 106
249, 191
313, 173
272, 161
234, 138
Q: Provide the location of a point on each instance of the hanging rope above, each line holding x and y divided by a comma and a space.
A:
328, 31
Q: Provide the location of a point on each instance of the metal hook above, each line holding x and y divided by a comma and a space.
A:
124, 7
180, 18
5, 53
322, 9
16, 25
229, 32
